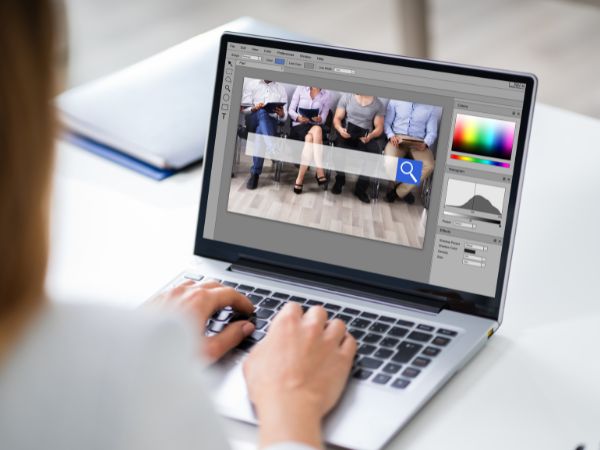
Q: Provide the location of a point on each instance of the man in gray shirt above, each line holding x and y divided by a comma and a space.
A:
359, 121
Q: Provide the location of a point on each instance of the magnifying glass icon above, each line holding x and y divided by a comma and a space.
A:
407, 169
227, 88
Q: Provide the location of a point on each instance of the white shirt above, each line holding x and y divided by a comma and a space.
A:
95, 378
257, 91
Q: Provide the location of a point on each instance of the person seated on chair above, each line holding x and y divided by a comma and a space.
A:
364, 116
309, 130
259, 120
404, 120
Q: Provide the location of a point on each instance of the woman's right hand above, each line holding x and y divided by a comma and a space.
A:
302, 119
297, 374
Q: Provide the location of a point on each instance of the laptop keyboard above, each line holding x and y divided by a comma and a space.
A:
391, 351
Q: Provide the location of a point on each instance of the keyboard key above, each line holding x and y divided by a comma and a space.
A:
387, 319
330, 314
314, 303
332, 307
392, 368
372, 338
245, 288
381, 379
262, 292
366, 349
421, 362
418, 336
354, 312
193, 276
379, 327
400, 383
222, 316
246, 345
383, 353
368, 315
344, 318
369, 363
263, 313
297, 299
269, 303
431, 351
304, 308
446, 332
362, 374
424, 327
398, 332
217, 327
360, 323
229, 283
356, 333
411, 372
257, 335
404, 323
406, 352
280, 295
389, 342
260, 324
255, 299
441, 341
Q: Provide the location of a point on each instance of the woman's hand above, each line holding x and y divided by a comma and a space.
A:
302, 119
297, 374
201, 301
317, 119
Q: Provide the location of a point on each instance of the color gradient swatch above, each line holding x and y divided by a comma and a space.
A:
488, 162
483, 136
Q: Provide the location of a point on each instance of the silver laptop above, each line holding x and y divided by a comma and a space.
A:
417, 269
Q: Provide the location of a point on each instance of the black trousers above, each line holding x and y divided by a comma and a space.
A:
355, 144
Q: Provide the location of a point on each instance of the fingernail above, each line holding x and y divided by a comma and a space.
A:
248, 329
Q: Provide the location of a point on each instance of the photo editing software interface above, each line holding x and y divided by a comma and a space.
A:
391, 170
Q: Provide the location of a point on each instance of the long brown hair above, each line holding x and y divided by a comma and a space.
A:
27, 128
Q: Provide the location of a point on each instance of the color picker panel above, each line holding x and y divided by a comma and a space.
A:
483, 136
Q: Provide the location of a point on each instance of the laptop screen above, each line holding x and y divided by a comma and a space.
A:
378, 167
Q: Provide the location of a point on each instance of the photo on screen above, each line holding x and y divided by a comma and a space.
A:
339, 162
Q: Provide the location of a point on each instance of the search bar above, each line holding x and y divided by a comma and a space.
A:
260, 66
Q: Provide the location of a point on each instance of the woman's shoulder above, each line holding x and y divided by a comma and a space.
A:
88, 337
91, 361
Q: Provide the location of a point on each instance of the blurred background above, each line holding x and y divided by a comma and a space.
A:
557, 40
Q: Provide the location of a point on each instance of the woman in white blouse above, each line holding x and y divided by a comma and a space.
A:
81, 377
314, 102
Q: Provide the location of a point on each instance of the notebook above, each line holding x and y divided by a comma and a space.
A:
157, 111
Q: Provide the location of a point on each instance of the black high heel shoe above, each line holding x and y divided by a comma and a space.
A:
298, 188
323, 182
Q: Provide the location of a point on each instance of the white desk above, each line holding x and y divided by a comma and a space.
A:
118, 236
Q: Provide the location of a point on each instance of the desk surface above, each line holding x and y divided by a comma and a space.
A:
117, 237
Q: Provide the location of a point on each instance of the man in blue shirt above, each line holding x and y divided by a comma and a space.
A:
411, 128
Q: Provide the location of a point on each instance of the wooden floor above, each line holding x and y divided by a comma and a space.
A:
397, 223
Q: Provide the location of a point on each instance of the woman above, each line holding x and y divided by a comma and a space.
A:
75, 377
364, 117
311, 101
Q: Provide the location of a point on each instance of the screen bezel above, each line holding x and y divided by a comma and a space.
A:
461, 301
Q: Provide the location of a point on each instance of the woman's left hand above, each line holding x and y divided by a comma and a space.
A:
317, 119
201, 301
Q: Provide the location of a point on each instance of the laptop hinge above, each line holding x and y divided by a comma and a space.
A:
405, 298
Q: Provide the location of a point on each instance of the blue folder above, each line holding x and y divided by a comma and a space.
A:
118, 157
